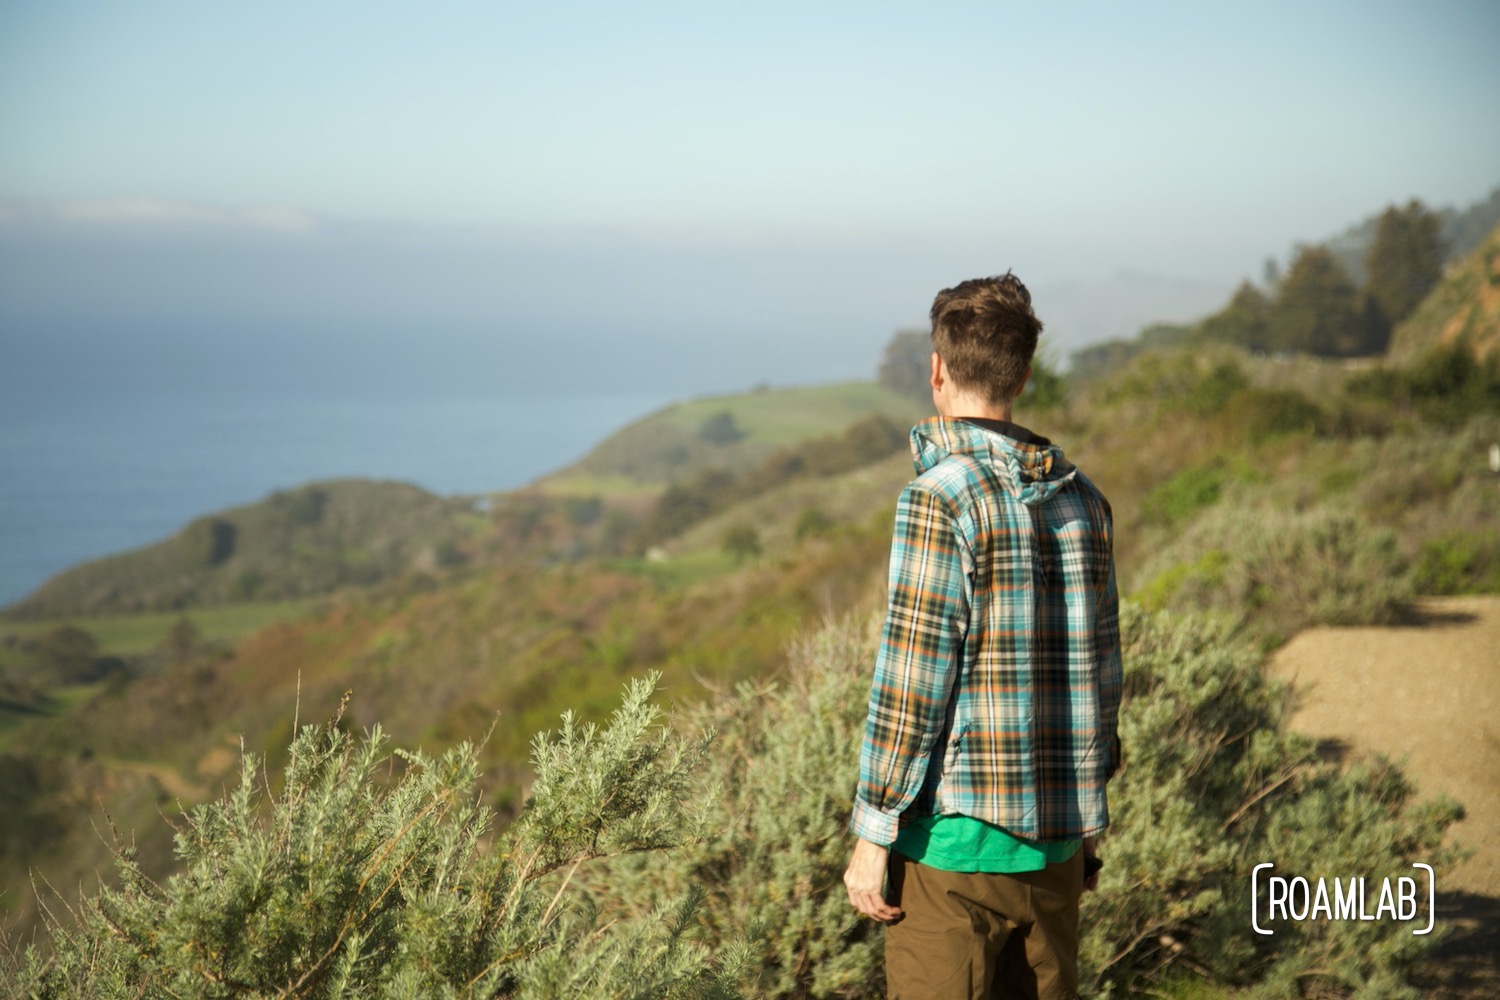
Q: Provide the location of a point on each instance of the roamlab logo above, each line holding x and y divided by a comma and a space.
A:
1297, 898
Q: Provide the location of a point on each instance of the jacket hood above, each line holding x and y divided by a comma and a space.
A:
1032, 472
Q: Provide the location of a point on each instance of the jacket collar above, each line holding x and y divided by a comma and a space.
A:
1031, 467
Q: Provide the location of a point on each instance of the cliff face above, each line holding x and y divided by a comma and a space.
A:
1466, 306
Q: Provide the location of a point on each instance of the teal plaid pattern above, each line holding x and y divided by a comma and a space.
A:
997, 683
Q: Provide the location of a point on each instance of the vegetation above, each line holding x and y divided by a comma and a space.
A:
714, 489
906, 365
1464, 309
1405, 260
1319, 306
682, 440
344, 885
1252, 495
1317, 309
294, 544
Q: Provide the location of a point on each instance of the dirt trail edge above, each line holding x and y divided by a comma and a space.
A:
1427, 694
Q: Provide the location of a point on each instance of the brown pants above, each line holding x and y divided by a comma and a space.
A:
977, 936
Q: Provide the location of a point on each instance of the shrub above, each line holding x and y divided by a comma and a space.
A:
742, 542
1459, 563
68, 655
812, 522
1186, 493
1180, 382
1211, 785
1276, 571
784, 770
1446, 385
346, 885
1258, 415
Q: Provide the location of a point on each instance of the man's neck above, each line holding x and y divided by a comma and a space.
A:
974, 406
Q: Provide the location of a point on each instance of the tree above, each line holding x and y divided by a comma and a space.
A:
1319, 311
1244, 322
906, 365
184, 640
742, 542
720, 429
1270, 274
209, 541
1045, 388
1405, 260
68, 655
1101, 359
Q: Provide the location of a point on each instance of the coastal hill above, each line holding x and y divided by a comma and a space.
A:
325, 537
294, 544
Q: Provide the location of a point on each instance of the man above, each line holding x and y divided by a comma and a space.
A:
991, 728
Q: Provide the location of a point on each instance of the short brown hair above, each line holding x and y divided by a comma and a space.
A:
985, 332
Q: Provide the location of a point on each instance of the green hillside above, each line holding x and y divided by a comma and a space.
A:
724, 432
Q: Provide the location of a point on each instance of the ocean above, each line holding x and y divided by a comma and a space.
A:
96, 468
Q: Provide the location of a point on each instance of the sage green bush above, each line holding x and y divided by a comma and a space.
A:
1276, 570
346, 884
784, 767
1212, 784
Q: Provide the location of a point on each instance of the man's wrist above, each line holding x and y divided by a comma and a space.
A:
869, 823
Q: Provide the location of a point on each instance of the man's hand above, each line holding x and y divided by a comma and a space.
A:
865, 880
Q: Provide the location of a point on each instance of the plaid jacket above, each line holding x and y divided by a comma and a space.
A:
997, 683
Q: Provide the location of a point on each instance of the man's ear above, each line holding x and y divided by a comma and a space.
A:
937, 371
1024, 379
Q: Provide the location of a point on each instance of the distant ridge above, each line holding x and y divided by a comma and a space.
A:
294, 543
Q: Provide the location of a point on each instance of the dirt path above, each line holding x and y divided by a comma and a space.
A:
1428, 693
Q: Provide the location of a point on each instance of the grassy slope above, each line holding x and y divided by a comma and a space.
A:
125, 635
667, 445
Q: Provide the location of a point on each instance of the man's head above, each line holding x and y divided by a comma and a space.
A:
985, 333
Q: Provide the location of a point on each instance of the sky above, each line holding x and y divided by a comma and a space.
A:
724, 167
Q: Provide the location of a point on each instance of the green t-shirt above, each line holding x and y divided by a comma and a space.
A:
964, 844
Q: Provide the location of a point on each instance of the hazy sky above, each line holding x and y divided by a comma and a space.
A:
814, 169
1177, 134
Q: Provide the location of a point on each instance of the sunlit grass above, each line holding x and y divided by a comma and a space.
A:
578, 483
59, 701
123, 635
679, 571
788, 416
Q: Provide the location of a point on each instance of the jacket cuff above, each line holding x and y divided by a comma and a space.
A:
869, 823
